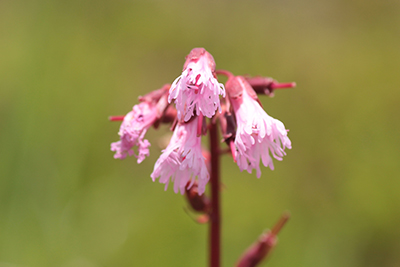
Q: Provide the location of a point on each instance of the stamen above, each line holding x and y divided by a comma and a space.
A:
197, 78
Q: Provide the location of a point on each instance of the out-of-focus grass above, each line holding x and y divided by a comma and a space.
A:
65, 66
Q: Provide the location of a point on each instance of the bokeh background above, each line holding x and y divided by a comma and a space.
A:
65, 66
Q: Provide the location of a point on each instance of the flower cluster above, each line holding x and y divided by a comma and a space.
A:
251, 134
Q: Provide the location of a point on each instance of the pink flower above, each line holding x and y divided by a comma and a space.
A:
197, 88
132, 131
182, 160
258, 135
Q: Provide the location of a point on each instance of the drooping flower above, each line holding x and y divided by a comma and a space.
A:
258, 135
132, 131
182, 160
197, 88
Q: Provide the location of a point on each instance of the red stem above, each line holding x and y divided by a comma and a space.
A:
116, 118
215, 220
225, 73
275, 85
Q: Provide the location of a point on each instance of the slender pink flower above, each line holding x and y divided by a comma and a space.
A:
132, 131
182, 160
258, 135
197, 88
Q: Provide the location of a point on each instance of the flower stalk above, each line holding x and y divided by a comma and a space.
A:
215, 216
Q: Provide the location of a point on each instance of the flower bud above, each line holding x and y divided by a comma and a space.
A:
199, 203
263, 246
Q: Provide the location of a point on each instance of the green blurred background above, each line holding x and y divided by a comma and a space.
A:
65, 66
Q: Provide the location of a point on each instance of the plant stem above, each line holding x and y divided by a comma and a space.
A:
215, 220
